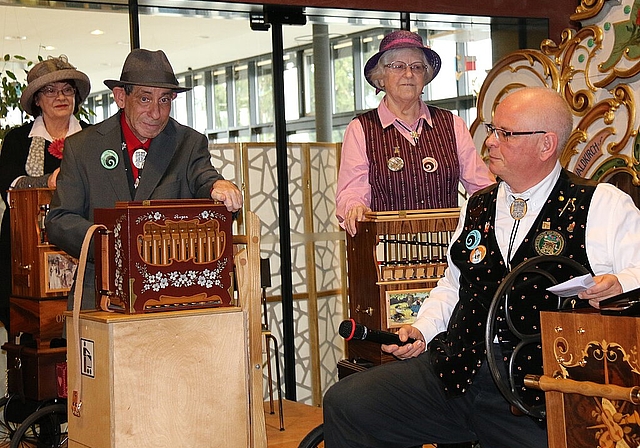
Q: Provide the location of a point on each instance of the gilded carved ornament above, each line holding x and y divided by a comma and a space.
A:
597, 70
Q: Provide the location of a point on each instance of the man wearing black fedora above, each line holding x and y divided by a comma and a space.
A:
140, 153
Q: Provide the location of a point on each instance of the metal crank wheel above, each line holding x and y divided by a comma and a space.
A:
514, 323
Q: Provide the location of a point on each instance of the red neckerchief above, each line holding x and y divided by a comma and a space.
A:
132, 143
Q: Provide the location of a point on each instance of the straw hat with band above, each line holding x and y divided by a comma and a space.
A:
402, 39
147, 68
49, 71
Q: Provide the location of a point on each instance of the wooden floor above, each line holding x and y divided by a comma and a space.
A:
299, 419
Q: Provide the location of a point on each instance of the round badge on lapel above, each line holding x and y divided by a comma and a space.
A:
478, 254
109, 159
473, 239
429, 164
138, 158
549, 242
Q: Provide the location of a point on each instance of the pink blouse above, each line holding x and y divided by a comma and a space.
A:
353, 177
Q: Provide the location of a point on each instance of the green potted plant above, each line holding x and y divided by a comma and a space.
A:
12, 88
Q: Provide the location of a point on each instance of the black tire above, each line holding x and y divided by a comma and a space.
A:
45, 428
314, 439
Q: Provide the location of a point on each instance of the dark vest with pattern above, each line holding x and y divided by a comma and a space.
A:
412, 188
559, 229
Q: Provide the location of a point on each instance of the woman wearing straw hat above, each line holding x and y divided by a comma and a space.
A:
405, 155
31, 154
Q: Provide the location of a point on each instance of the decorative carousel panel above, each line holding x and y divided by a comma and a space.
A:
597, 71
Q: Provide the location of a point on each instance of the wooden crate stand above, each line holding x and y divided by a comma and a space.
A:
177, 378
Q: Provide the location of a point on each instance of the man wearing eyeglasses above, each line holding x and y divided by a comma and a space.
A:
139, 154
443, 390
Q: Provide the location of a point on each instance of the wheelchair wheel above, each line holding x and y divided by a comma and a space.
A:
505, 321
5, 428
315, 438
45, 428
13, 410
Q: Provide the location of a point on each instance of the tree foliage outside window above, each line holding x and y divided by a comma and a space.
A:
344, 99
265, 93
221, 113
12, 89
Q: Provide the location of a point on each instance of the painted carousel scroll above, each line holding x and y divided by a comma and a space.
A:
597, 70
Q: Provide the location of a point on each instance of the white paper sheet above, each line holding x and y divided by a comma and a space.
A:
572, 287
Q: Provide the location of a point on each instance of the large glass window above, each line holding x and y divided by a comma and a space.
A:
291, 90
343, 94
179, 108
241, 94
264, 76
220, 109
232, 96
309, 84
444, 85
199, 93
370, 46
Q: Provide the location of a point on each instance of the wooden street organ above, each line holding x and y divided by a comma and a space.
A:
394, 260
164, 255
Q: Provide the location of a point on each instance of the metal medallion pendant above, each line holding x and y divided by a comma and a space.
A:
518, 209
138, 158
395, 163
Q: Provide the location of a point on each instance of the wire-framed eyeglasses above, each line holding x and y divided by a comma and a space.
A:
52, 92
400, 67
502, 134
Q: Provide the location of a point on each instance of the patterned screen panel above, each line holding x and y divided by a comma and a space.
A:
317, 249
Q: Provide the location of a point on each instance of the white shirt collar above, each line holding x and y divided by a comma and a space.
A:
536, 195
40, 130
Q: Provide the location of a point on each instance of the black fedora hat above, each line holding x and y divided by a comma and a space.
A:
147, 68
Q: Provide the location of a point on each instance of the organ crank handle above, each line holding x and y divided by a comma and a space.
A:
586, 388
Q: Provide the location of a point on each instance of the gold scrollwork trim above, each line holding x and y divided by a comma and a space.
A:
587, 9
577, 137
614, 165
581, 100
618, 73
515, 62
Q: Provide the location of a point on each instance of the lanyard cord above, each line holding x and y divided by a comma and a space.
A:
415, 134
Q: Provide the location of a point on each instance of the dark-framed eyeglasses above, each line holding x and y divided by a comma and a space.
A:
399, 67
502, 134
51, 92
